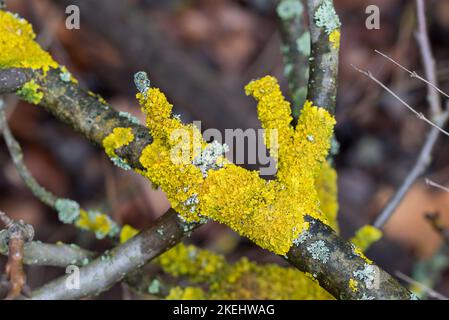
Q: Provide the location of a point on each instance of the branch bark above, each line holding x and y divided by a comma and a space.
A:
112, 266
37, 253
295, 50
323, 66
95, 120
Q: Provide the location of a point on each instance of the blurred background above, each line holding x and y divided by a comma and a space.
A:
201, 53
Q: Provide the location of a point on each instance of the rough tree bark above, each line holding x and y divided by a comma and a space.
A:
95, 120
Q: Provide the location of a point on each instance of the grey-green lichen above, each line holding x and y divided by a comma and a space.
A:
326, 17
129, 116
208, 159
65, 76
366, 297
413, 296
303, 236
303, 44
288, 9
142, 82
319, 251
367, 275
68, 210
154, 287
121, 163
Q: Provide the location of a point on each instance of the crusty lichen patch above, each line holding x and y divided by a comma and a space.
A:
119, 137
270, 213
215, 278
334, 38
353, 285
127, 232
99, 223
17, 46
30, 92
326, 17
366, 236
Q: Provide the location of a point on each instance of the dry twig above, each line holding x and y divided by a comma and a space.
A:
18, 234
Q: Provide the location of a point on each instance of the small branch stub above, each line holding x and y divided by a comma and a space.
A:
18, 233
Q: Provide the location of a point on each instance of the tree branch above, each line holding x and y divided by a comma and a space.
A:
428, 60
44, 254
335, 262
323, 66
439, 118
112, 266
95, 120
12, 80
17, 157
295, 50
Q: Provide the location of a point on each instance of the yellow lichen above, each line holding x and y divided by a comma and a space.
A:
17, 46
359, 252
127, 232
270, 213
241, 280
198, 265
96, 222
119, 137
353, 285
188, 293
366, 236
334, 38
30, 92
326, 186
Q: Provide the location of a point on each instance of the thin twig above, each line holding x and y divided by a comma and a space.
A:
37, 253
428, 59
432, 293
420, 115
17, 234
17, 157
436, 111
418, 169
436, 185
413, 74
